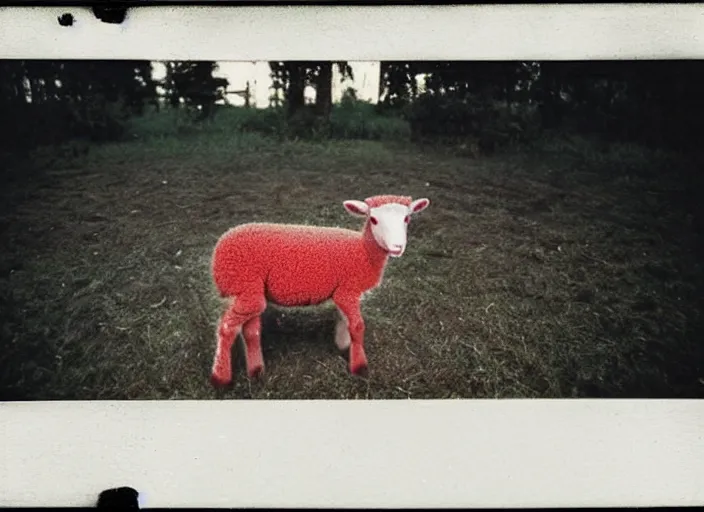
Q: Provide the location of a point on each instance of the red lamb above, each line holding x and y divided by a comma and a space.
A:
295, 265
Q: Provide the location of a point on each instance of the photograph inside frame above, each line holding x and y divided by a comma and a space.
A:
351, 230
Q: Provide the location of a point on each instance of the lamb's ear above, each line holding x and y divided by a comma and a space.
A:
419, 205
357, 208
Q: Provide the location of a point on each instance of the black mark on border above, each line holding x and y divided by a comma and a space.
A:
66, 19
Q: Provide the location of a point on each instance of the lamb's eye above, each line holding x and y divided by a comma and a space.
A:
407, 219
373, 220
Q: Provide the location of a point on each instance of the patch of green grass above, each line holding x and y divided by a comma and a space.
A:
230, 138
622, 157
359, 120
355, 120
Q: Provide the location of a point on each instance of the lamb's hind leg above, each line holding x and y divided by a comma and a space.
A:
252, 334
244, 308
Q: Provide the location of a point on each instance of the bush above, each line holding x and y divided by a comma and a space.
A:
470, 122
352, 119
268, 121
100, 120
355, 119
28, 125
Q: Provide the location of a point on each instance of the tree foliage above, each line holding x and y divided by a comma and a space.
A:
292, 78
655, 102
192, 84
51, 101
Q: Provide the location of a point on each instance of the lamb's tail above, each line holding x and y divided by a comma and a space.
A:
223, 281
223, 274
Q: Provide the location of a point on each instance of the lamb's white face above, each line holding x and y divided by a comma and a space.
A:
388, 223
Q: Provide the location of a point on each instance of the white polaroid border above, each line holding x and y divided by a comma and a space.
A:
365, 33
342, 454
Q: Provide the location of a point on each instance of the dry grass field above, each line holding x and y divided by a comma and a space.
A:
569, 270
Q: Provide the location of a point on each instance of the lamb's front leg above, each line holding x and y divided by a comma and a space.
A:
349, 306
342, 333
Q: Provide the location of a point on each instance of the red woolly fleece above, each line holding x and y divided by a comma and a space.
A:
293, 265
296, 265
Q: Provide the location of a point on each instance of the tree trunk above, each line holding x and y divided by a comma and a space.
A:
323, 91
383, 70
549, 95
296, 87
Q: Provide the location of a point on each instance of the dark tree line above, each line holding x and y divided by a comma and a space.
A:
49, 102
653, 102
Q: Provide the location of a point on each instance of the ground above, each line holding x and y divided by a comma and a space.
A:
560, 273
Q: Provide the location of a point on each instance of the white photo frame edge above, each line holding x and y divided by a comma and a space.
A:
418, 32
354, 454
468, 453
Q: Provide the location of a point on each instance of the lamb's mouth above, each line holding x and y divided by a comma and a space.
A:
395, 252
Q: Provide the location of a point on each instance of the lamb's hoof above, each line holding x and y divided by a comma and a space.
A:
361, 370
256, 373
219, 382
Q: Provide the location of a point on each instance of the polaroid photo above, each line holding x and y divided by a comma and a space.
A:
352, 256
